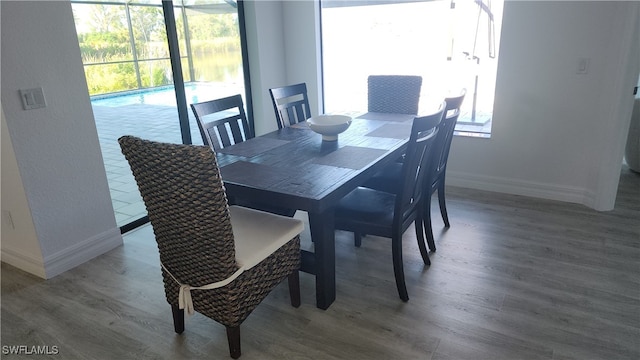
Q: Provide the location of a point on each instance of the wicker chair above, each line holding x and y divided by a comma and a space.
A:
217, 260
394, 93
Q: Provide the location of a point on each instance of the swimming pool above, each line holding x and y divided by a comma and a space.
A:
165, 95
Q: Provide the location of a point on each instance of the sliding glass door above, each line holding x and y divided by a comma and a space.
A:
145, 61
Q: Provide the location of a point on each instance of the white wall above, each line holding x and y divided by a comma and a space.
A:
265, 41
282, 38
553, 129
303, 61
623, 64
556, 134
20, 245
56, 148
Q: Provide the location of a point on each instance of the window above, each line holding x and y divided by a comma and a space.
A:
450, 43
124, 44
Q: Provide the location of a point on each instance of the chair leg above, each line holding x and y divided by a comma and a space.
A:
294, 288
357, 239
178, 319
420, 237
428, 229
443, 205
398, 269
233, 336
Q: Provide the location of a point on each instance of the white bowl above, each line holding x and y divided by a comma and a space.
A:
329, 126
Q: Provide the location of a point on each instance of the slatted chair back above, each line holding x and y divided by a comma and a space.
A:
416, 163
222, 122
291, 104
380, 213
394, 93
443, 142
438, 167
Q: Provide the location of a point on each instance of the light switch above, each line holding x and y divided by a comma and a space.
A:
32, 98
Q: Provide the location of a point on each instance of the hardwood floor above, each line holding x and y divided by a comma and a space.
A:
513, 278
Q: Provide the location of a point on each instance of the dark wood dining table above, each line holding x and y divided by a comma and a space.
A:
295, 169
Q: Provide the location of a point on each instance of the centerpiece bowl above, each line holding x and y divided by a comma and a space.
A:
329, 126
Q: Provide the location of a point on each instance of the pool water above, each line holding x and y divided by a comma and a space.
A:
155, 96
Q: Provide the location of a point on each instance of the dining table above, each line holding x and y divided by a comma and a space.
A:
294, 168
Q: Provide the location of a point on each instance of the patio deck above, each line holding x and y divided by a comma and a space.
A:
153, 122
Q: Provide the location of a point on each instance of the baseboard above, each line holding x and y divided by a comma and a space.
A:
591, 201
82, 252
521, 187
24, 262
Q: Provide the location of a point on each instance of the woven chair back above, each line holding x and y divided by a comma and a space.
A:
187, 206
394, 93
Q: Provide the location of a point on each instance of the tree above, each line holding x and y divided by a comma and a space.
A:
148, 26
106, 18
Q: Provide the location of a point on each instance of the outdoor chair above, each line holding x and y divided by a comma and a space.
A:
217, 260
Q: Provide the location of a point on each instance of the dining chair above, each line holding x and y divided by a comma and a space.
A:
290, 104
439, 165
398, 94
387, 179
218, 260
386, 214
222, 122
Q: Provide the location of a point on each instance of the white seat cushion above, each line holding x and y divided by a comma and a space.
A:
259, 234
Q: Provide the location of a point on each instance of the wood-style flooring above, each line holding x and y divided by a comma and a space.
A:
513, 278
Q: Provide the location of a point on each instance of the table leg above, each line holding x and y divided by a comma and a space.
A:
322, 230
